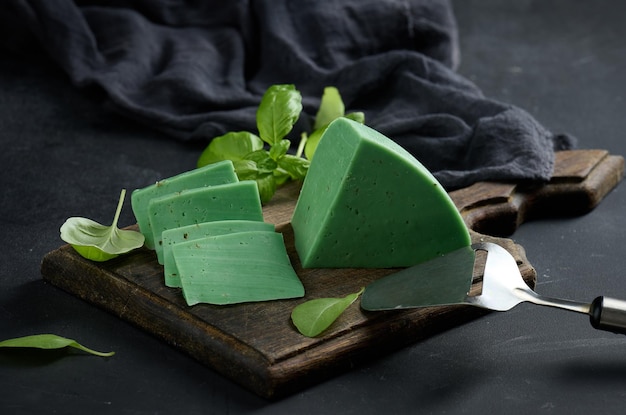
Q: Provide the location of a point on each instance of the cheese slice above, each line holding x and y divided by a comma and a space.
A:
206, 204
210, 175
367, 202
236, 268
187, 233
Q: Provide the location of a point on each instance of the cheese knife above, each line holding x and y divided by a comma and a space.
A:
447, 279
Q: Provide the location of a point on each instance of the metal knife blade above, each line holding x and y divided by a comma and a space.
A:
443, 280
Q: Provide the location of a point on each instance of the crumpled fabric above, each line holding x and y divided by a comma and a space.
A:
197, 69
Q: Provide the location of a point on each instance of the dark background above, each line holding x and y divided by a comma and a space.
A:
64, 155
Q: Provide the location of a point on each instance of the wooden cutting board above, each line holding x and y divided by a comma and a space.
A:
256, 345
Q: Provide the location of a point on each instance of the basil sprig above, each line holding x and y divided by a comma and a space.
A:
264, 157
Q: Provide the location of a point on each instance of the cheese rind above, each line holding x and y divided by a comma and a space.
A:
210, 175
367, 202
236, 268
188, 233
207, 204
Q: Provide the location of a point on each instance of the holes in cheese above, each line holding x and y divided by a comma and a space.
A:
210, 175
235, 268
188, 233
238, 201
367, 202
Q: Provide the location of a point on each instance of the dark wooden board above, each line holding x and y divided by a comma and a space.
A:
256, 345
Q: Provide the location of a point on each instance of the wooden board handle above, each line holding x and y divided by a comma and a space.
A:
581, 179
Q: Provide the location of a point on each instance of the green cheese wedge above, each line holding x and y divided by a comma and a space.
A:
210, 175
187, 233
236, 268
206, 204
367, 202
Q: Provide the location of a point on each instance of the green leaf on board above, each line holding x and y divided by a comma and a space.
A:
279, 149
49, 341
98, 242
230, 146
264, 163
356, 116
311, 318
331, 108
278, 111
267, 184
276, 115
246, 169
312, 141
295, 167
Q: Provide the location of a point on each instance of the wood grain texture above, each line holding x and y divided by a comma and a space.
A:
256, 344
580, 181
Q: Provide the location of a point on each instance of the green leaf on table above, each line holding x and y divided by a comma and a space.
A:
278, 111
49, 341
311, 318
230, 146
98, 242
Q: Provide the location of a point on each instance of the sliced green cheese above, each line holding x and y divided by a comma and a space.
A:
210, 175
187, 233
206, 204
236, 268
367, 202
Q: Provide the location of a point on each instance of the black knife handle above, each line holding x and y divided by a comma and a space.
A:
608, 314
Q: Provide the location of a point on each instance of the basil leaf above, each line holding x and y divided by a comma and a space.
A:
230, 146
296, 167
50, 341
312, 142
246, 169
98, 242
278, 111
93, 253
267, 186
279, 149
356, 116
259, 166
264, 162
276, 116
331, 107
281, 176
314, 316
